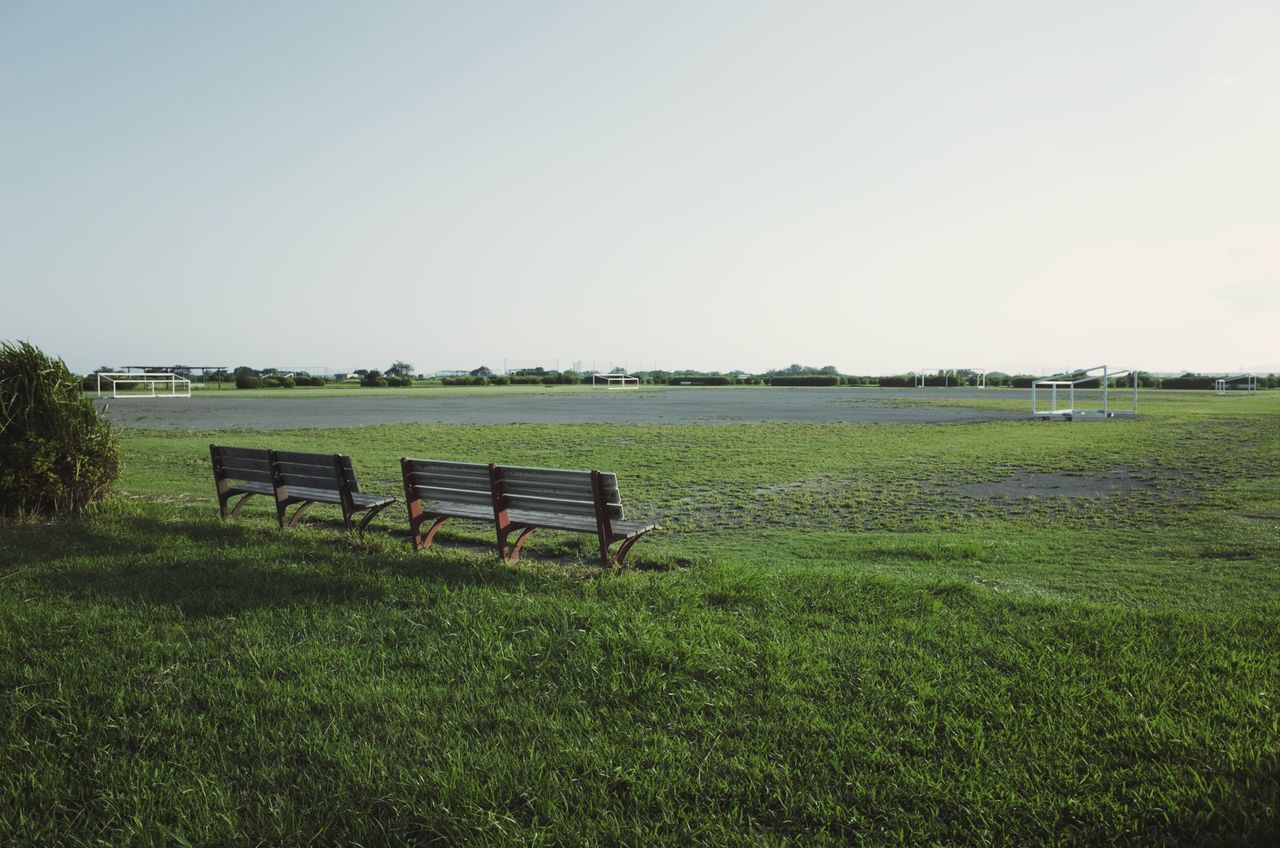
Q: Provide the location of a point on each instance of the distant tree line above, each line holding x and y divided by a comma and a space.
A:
401, 374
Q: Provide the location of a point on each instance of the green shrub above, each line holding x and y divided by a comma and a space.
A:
805, 380
57, 455
89, 382
700, 380
399, 382
245, 380
1187, 381
373, 379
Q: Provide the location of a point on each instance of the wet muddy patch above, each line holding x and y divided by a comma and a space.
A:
1037, 484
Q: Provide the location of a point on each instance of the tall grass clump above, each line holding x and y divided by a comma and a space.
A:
57, 455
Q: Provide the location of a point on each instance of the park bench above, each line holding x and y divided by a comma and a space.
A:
518, 500
293, 478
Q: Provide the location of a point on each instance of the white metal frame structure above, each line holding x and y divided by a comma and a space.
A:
178, 386
922, 376
1237, 382
1069, 380
615, 381
919, 377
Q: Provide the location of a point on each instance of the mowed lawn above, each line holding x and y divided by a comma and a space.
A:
1008, 633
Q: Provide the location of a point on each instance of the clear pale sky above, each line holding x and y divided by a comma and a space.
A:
1022, 186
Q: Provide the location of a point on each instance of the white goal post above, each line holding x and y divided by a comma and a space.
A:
1236, 382
1091, 385
615, 381
169, 385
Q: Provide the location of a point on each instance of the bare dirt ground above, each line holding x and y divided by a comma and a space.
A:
233, 411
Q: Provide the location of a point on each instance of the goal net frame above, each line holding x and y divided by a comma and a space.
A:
615, 382
177, 386
920, 379
1247, 383
1079, 379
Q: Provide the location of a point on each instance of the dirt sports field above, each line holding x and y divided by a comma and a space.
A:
229, 410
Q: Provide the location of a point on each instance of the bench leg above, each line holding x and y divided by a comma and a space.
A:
420, 542
297, 513
364, 522
511, 554
625, 547
235, 510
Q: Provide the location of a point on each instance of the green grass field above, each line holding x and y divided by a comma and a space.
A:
1013, 633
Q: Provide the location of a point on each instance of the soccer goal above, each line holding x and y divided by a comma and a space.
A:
947, 377
615, 381
1236, 383
1087, 393
143, 385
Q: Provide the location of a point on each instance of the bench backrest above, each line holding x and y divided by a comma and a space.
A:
441, 480
246, 464
328, 471
558, 490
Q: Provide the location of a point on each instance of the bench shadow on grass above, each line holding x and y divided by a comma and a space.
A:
208, 586
212, 569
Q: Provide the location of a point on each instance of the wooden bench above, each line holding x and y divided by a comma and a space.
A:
518, 500
293, 478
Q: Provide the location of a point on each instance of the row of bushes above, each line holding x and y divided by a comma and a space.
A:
246, 380
375, 380
512, 380
805, 380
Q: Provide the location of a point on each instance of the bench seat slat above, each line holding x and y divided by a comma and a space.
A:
304, 493
577, 490
255, 487
573, 523
333, 496
525, 472
450, 495
243, 464
447, 467
452, 481
365, 501
453, 509
254, 475
559, 506
315, 481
